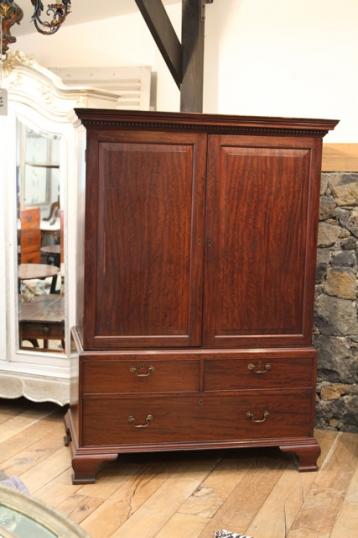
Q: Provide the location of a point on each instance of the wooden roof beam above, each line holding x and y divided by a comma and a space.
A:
164, 35
186, 59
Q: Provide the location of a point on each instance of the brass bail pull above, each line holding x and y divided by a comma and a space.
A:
251, 416
140, 372
259, 368
148, 420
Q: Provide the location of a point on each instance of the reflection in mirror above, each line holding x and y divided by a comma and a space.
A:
40, 242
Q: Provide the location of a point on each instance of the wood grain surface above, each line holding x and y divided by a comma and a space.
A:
200, 237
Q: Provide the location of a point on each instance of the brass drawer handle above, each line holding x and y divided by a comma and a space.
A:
148, 420
251, 416
139, 371
259, 368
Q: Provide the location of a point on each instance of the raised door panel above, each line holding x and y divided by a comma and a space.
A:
262, 204
144, 237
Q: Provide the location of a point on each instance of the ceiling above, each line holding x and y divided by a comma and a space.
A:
82, 11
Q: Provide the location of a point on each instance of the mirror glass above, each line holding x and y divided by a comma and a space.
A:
40, 242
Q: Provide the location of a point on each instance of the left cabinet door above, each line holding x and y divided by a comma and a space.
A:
144, 239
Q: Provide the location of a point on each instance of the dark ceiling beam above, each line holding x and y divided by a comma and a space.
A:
164, 35
185, 60
192, 38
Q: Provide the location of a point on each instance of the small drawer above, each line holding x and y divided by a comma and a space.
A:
258, 372
193, 419
139, 375
34, 330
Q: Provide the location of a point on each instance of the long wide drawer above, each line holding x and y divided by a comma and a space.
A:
139, 375
254, 373
174, 419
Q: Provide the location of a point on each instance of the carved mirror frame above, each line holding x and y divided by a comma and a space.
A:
37, 97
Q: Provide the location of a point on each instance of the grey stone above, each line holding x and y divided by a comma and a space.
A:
342, 215
345, 258
324, 182
342, 412
321, 271
336, 363
348, 219
327, 234
344, 233
349, 244
323, 256
344, 188
353, 222
341, 282
327, 207
335, 316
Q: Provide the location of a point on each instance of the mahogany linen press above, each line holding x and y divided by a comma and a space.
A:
195, 306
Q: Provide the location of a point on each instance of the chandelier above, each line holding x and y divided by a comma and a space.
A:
47, 19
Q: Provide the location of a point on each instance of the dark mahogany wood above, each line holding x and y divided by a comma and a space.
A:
307, 454
261, 207
256, 373
144, 259
171, 419
85, 466
139, 374
195, 329
134, 120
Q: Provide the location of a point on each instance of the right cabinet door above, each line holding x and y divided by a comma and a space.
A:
261, 229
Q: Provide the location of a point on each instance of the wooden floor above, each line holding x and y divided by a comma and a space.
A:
185, 495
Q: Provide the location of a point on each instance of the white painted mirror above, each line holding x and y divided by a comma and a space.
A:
41, 265
42, 154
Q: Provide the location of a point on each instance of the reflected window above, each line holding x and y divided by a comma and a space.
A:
40, 241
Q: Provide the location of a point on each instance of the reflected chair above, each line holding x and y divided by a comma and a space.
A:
54, 211
30, 235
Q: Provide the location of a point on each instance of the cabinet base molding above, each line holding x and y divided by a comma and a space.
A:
87, 461
85, 466
307, 454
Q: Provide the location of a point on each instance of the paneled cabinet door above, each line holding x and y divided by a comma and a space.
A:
144, 239
262, 204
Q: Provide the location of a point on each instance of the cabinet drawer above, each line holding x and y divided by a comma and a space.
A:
49, 330
252, 373
186, 419
139, 375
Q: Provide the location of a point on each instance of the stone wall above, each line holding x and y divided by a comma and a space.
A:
336, 322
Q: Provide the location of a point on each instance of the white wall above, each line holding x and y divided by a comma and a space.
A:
287, 57
118, 41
